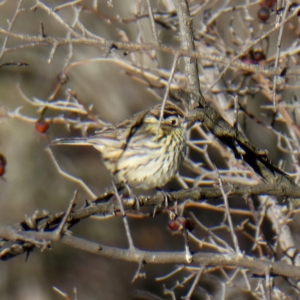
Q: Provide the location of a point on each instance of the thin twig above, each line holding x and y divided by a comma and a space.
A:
195, 282
280, 32
60, 228
152, 21
228, 215
10, 25
167, 90
126, 225
80, 182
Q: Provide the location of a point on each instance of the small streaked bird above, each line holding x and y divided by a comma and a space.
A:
139, 151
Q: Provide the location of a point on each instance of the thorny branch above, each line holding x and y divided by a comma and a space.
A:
44, 229
157, 257
106, 205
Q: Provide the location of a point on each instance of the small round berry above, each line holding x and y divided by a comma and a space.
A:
174, 225
41, 125
263, 13
180, 224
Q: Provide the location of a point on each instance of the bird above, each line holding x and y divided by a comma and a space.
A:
141, 151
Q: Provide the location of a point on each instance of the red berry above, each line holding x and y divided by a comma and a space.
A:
41, 125
263, 13
181, 223
174, 225
2, 164
2, 170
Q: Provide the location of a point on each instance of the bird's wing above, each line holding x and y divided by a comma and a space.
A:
107, 137
128, 127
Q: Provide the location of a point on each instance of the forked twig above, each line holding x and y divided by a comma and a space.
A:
79, 181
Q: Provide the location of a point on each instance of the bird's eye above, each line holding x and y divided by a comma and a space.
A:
173, 121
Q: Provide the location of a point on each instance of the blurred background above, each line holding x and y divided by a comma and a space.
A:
32, 182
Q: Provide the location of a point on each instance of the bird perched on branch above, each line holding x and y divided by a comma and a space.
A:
141, 151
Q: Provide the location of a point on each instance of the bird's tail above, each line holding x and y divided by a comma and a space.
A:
75, 141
